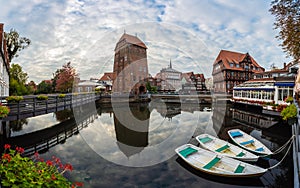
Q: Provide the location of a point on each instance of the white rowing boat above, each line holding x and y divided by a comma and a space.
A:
212, 163
224, 148
248, 142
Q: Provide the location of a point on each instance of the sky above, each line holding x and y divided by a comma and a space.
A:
190, 33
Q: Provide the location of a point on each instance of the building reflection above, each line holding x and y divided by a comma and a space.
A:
132, 128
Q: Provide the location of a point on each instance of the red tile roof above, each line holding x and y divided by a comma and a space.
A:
132, 40
108, 76
228, 57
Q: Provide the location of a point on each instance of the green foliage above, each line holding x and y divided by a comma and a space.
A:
287, 15
151, 89
289, 99
289, 112
18, 171
42, 97
61, 95
17, 80
15, 43
4, 111
45, 87
14, 98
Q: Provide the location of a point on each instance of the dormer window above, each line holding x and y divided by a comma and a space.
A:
237, 65
231, 64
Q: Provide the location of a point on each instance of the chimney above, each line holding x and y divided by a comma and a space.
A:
284, 66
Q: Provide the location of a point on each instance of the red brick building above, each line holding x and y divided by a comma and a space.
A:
130, 65
233, 68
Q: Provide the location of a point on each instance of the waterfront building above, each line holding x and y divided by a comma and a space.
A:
274, 72
265, 90
4, 64
233, 68
87, 86
209, 84
107, 80
192, 83
170, 79
130, 65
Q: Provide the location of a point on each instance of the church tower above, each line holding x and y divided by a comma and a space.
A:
130, 65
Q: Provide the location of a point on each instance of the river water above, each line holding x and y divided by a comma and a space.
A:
132, 145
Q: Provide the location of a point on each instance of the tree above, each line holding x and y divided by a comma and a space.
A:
17, 80
64, 78
15, 43
31, 87
287, 15
44, 87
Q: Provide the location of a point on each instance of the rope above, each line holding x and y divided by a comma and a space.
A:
291, 143
280, 149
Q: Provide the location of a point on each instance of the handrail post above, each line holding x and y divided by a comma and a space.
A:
34, 105
18, 111
56, 98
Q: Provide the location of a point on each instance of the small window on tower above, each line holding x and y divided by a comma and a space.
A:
125, 58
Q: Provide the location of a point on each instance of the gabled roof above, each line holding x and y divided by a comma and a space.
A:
131, 40
228, 57
108, 76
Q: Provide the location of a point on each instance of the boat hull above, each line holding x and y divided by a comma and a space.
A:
224, 148
217, 165
248, 142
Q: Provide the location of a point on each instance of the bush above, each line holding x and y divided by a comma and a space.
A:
4, 111
61, 95
289, 112
289, 99
42, 97
14, 98
18, 171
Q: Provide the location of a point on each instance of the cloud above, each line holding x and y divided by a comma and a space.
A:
191, 33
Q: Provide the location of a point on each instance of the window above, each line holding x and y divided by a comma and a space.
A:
231, 64
237, 65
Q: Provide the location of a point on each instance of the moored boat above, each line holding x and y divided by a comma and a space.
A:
224, 148
212, 163
248, 142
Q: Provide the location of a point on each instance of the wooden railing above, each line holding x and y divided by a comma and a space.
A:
31, 106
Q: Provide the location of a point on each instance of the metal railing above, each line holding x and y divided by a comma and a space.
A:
296, 148
31, 106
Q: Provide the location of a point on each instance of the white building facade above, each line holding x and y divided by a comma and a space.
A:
4, 65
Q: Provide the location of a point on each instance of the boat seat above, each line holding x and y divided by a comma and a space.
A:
236, 134
222, 148
205, 139
241, 154
212, 163
247, 142
239, 169
187, 151
259, 149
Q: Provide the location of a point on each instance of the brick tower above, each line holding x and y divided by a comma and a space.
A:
130, 65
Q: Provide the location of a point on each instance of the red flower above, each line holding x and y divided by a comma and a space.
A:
20, 150
68, 167
6, 146
36, 155
53, 177
49, 163
6, 157
79, 184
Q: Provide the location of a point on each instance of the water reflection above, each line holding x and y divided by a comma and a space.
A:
108, 146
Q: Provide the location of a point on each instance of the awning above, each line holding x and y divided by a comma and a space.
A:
101, 87
287, 84
256, 89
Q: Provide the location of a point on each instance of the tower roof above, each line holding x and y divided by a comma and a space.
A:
132, 40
